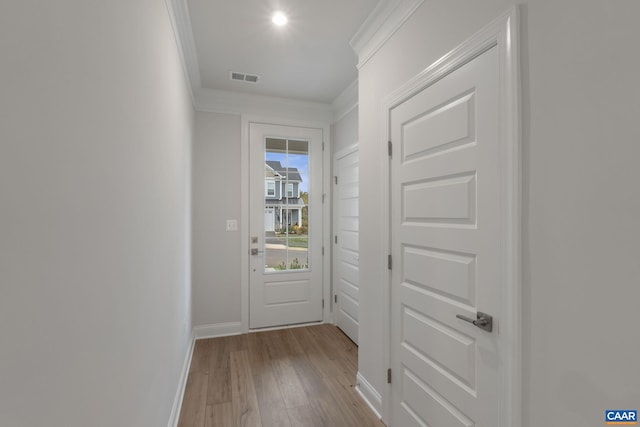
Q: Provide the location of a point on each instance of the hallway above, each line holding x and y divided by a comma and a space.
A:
290, 377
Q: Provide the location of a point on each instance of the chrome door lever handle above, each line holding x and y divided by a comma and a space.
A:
465, 318
483, 321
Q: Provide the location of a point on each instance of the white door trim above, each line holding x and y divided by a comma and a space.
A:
246, 120
503, 33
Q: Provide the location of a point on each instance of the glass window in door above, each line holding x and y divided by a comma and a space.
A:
286, 205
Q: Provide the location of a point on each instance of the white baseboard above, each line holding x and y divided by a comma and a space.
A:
217, 330
278, 328
182, 383
369, 394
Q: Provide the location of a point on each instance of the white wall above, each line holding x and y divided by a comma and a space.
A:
216, 198
95, 133
581, 204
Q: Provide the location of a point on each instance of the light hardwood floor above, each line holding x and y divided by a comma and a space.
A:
290, 377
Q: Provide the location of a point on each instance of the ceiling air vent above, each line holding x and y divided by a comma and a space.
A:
242, 77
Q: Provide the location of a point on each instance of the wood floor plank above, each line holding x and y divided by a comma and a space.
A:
310, 377
304, 416
340, 406
327, 408
347, 348
332, 347
315, 353
293, 393
243, 392
274, 345
219, 389
292, 345
195, 401
290, 377
220, 415
349, 403
321, 402
280, 352
346, 353
273, 412
237, 342
258, 353
200, 358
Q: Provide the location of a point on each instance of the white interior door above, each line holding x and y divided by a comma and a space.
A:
285, 271
445, 242
346, 253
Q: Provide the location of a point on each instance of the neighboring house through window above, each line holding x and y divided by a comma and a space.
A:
271, 189
283, 205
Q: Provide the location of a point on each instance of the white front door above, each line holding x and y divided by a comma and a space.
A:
446, 230
285, 271
346, 253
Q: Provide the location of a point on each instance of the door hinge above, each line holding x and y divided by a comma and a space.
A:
390, 148
389, 376
335, 239
336, 179
323, 196
389, 263
323, 303
335, 298
322, 145
323, 251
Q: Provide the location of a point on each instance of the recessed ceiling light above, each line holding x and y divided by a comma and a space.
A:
279, 19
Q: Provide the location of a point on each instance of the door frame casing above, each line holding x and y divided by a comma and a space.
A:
246, 120
501, 33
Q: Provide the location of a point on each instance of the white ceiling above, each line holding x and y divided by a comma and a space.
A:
310, 59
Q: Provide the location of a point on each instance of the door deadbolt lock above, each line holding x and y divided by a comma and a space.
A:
483, 321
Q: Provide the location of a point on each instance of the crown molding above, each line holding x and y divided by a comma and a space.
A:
183, 32
345, 102
220, 101
387, 17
